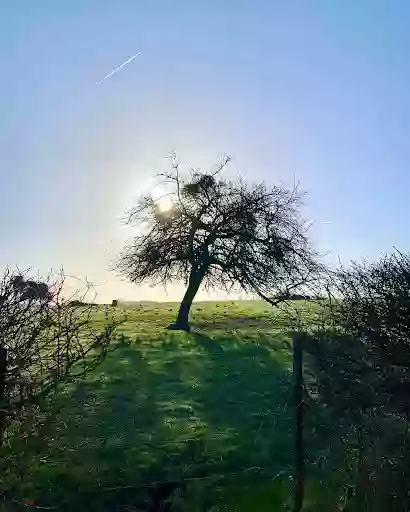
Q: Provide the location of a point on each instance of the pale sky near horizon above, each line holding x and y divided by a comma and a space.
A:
318, 91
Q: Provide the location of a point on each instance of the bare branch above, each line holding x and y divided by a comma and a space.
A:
45, 338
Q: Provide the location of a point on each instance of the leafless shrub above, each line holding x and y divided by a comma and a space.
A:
359, 359
45, 338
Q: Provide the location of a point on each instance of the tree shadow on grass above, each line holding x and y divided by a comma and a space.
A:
179, 407
234, 322
246, 390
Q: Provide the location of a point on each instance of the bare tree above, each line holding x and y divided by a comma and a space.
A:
43, 341
218, 233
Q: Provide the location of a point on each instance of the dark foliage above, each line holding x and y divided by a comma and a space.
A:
294, 296
361, 368
29, 289
219, 233
77, 302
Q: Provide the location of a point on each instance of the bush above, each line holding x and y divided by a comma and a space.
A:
360, 362
44, 339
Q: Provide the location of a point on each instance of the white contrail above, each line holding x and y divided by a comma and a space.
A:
118, 68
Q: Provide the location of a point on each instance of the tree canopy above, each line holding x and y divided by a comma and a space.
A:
218, 233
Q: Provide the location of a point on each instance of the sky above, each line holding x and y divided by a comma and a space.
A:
315, 91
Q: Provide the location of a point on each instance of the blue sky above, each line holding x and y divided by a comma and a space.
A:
314, 90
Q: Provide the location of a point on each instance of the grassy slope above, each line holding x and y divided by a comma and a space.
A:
171, 406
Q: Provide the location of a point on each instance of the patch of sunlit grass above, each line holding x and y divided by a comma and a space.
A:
214, 401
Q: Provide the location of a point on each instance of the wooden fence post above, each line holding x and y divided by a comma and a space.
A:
298, 391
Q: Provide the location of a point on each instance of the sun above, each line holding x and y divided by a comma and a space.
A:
164, 204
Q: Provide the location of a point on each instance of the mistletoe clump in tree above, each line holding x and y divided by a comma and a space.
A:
218, 233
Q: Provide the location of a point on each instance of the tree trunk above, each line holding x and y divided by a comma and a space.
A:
194, 283
299, 467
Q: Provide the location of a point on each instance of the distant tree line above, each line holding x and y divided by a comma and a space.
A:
29, 289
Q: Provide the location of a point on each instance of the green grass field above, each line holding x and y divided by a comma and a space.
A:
211, 409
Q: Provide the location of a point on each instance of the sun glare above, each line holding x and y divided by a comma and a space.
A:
165, 204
